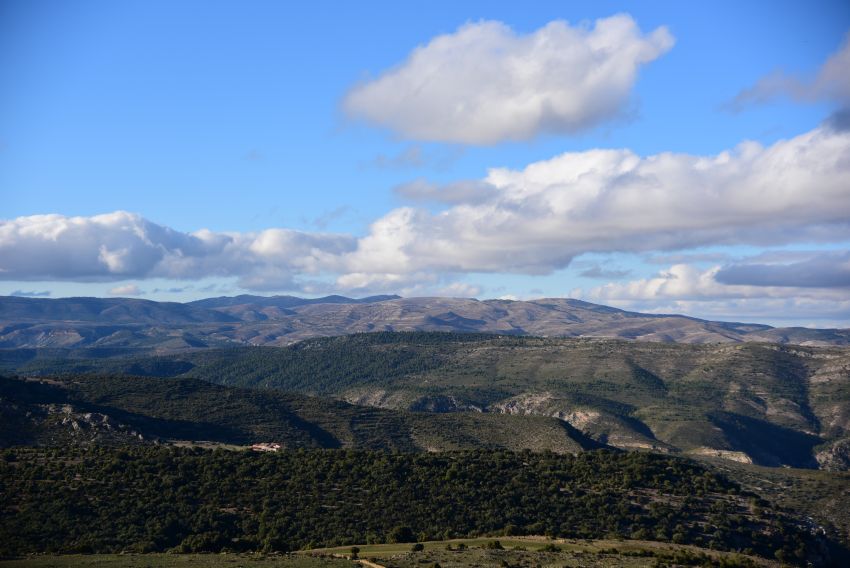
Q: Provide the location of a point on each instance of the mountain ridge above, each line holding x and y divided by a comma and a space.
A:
283, 320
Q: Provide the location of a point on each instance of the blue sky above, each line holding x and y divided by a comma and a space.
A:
244, 117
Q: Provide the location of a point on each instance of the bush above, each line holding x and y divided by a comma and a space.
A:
401, 534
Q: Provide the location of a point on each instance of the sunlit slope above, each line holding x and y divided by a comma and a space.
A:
282, 320
773, 405
766, 403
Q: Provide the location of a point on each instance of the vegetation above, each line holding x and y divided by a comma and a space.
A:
76, 410
774, 405
819, 495
149, 499
87, 470
541, 551
174, 560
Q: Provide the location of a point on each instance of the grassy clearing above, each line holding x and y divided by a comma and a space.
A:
518, 552
539, 552
172, 560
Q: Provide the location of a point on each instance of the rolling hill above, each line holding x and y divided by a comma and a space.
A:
118, 411
761, 403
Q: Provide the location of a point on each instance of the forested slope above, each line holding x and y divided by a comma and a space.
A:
154, 499
105, 410
764, 403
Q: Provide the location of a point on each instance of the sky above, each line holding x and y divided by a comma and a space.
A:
664, 157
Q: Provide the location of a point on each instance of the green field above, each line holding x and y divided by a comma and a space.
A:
176, 560
458, 553
542, 551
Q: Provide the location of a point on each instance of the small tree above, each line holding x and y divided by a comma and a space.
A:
418, 547
354, 552
402, 534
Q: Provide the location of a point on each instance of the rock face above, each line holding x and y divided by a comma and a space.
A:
739, 457
282, 320
63, 424
604, 427
836, 456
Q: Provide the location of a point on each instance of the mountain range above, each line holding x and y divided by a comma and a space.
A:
769, 404
431, 375
283, 320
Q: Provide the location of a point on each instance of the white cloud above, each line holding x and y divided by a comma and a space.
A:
122, 245
699, 290
686, 282
384, 281
537, 219
690, 290
460, 290
485, 83
531, 221
126, 290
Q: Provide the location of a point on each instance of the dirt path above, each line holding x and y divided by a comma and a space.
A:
366, 563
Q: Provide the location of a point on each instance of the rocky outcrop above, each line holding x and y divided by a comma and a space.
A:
835, 456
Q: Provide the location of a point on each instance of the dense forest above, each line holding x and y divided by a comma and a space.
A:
150, 498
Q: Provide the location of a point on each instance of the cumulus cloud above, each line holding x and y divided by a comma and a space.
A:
531, 221
686, 289
126, 290
832, 82
121, 245
485, 83
686, 282
537, 219
460, 290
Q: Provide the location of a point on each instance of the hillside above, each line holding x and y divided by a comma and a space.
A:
157, 499
761, 403
283, 320
86, 411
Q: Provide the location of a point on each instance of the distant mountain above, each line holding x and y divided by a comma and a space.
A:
283, 320
283, 301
